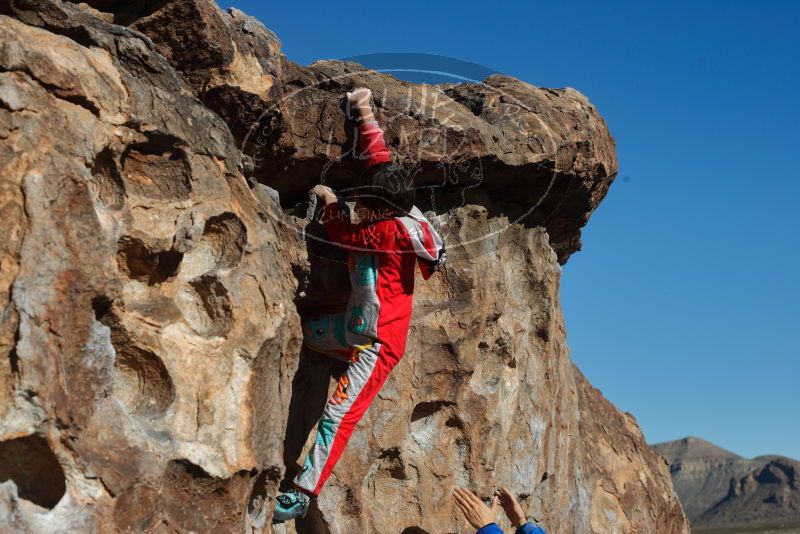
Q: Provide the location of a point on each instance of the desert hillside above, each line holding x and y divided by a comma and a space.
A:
721, 489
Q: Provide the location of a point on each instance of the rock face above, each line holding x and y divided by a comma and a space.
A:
151, 371
147, 296
721, 489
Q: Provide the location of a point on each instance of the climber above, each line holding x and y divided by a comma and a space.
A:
481, 516
391, 238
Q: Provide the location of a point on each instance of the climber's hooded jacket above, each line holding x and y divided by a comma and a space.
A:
383, 256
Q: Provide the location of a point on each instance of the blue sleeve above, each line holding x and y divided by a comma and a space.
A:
491, 528
530, 528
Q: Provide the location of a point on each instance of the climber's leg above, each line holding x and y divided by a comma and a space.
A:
365, 375
325, 334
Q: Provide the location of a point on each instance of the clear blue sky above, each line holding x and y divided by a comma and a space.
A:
684, 305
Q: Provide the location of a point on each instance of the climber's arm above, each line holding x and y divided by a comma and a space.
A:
338, 226
371, 145
337, 222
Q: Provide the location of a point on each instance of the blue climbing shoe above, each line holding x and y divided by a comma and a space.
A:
290, 505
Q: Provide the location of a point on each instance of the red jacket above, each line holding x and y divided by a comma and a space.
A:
398, 244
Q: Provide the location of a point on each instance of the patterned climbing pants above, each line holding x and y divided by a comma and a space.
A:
367, 371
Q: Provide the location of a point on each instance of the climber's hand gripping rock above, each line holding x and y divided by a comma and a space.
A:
359, 103
325, 193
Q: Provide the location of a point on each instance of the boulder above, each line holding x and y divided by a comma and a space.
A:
151, 371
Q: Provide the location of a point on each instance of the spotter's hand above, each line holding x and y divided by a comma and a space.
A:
511, 507
475, 511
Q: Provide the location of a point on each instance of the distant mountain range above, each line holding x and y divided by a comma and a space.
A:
718, 488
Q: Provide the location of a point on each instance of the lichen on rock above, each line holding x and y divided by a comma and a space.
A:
152, 376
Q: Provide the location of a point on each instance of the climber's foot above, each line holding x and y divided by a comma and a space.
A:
290, 505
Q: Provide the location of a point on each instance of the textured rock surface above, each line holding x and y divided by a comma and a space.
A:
147, 297
150, 344
487, 395
720, 488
